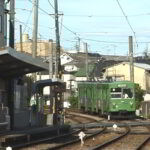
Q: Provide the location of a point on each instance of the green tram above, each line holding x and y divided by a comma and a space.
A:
107, 98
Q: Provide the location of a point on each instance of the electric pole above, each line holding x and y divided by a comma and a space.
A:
51, 73
86, 61
21, 47
35, 27
131, 59
58, 63
12, 24
78, 44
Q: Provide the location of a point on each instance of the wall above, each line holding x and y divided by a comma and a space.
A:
122, 71
42, 48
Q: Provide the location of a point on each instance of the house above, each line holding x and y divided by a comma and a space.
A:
121, 71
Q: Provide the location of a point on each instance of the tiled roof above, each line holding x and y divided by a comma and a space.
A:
82, 71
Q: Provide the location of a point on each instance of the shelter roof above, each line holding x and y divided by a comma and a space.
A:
39, 85
13, 63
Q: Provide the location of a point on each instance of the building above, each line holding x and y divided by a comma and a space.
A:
43, 47
121, 71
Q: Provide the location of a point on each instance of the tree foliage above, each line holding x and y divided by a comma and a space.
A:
138, 95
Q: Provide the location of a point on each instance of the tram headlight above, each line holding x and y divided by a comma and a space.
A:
115, 106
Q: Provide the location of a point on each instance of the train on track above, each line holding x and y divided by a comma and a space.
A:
114, 99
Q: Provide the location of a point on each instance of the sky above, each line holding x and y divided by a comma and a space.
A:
104, 25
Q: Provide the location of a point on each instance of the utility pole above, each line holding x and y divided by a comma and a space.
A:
131, 58
35, 27
58, 94
35, 31
58, 63
50, 59
5, 24
51, 74
21, 48
78, 44
86, 61
12, 24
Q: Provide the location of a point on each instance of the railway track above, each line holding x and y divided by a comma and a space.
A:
130, 141
100, 134
145, 142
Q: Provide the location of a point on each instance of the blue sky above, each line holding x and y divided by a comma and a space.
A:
100, 23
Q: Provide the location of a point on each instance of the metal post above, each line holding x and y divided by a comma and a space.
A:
12, 23
21, 47
11, 102
131, 58
35, 27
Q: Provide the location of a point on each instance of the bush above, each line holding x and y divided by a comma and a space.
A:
138, 96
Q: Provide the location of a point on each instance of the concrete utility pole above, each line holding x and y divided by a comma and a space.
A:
131, 58
86, 61
21, 48
58, 63
12, 24
51, 73
5, 24
78, 45
35, 27
50, 59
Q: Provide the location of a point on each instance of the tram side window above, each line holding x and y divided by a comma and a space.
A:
116, 92
127, 93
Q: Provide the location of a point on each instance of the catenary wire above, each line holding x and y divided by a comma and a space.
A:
127, 20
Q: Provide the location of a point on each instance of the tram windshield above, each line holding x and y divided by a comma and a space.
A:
116, 93
127, 93
121, 93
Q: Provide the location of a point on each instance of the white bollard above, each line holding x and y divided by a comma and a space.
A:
115, 127
108, 117
8, 148
81, 136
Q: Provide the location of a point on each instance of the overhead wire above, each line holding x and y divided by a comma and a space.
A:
53, 18
17, 20
27, 20
51, 4
126, 17
77, 35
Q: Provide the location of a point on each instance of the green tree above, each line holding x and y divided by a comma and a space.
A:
138, 95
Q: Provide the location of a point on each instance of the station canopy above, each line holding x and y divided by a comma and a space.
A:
39, 85
14, 64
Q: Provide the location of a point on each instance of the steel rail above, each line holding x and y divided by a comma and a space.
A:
97, 147
43, 140
76, 140
140, 146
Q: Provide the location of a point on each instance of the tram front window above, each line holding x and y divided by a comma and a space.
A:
116, 93
127, 93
